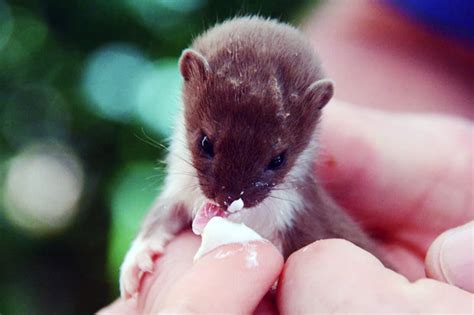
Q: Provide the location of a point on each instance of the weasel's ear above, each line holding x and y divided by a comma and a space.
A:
193, 65
319, 93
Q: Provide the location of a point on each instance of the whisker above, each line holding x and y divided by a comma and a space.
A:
268, 210
155, 176
284, 199
151, 185
183, 174
289, 186
151, 143
148, 139
161, 163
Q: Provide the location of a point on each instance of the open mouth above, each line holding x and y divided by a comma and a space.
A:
210, 210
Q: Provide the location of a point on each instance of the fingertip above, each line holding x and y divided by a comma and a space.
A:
450, 258
260, 254
322, 276
432, 259
232, 278
328, 259
167, 269
326, 250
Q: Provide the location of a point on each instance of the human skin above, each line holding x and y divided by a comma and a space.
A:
406, 177
334, 276
210, 285
379, 57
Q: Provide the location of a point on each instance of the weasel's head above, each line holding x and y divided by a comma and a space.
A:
246, 126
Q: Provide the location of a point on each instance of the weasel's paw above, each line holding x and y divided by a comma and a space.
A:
138, 261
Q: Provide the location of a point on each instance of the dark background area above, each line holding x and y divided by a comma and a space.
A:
86, 89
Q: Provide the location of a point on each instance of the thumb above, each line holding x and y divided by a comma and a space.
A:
223, 281
335, 276
451, 257
235, 270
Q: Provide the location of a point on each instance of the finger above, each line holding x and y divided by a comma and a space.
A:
169, 268
120, 306
230, 279
451, 257
333, 276
129, 285
393, 170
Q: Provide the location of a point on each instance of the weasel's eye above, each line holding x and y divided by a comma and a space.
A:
276, 162
206, 146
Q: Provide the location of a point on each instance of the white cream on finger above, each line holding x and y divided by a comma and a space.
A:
220, 231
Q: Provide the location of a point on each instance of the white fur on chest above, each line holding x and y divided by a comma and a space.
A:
274, 214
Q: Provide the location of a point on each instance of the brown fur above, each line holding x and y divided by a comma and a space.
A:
322, 218
254, 87
247, 89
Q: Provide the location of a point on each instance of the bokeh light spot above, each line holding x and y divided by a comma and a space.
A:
159, 96
112, 78
161, 15
42, 189
123, 85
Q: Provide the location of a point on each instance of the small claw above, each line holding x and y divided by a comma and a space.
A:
131, 290
129, 282
145, 263
157, 248
138, 261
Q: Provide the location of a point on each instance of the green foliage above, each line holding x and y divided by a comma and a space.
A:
99, 78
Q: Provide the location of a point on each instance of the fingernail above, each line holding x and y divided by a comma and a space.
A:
220, 231
457, 257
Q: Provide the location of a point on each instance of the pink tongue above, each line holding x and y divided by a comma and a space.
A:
205, 214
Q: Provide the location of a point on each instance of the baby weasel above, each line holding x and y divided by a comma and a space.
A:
245, 144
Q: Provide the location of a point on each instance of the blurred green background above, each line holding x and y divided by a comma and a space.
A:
86, 87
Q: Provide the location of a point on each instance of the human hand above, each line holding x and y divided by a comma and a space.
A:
379, 166
335, 276
383, 59
211, 285
407, 178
